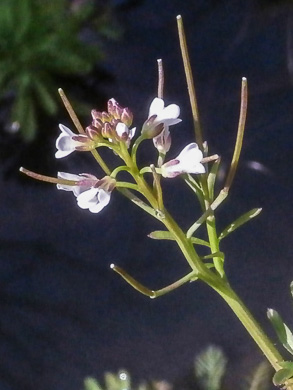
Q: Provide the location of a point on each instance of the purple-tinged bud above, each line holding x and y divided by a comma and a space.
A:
85, 143
127, 117
97, 124
151, 128
93, 133
114, 109
107, 131
96, 114
105, 117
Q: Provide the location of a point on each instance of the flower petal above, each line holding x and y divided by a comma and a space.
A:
65, 130
122, 130
95, 199
188, 161
169, 115
156, 106
104, 199
86, 181
87, 198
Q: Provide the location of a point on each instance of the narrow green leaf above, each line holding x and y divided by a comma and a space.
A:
289, 344
29, 122
165, 235
212, 177
111, 381
91, 384
161, 235
121, 381
239, 221
283, 332
283, 375
278, 324
199, 241
216, 254
44, 96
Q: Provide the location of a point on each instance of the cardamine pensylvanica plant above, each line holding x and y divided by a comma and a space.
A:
113, 129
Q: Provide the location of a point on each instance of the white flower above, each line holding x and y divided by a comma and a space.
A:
166, 115
91, 193
188, 161
159, 120
95, 199
66, 144
124, 133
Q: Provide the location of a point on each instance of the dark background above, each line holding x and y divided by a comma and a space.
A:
64, 314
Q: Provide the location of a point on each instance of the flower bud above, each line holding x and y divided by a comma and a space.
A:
151, 128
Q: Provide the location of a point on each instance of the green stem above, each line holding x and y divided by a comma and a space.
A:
249, 322
211, 228
80, 129
125, 184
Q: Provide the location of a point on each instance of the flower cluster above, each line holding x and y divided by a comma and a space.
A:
112, 128
114, 124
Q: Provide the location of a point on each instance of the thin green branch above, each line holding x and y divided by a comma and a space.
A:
240, 133
135, 146
160, 79
165, 290
199, 222
190, 82
134, 283
48, 179
138, 202
125, 184
121, 168
158, 188
145, 290
71, 112
80, 129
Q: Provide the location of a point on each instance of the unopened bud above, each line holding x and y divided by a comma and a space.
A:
150, 129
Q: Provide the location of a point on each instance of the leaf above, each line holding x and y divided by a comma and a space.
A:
210, 366
212, 177
121, 381
91, 384
43, 96
239, 221
199, 241
284, 374
165, 235
215, 254
161, 235
283, 332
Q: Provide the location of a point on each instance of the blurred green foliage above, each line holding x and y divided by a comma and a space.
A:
122, 381
210, 368
39, 42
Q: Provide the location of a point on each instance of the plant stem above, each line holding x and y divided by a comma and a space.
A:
249, 322
222, 287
